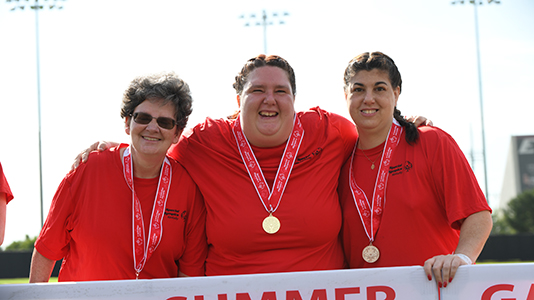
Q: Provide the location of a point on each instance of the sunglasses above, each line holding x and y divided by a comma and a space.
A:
144, 119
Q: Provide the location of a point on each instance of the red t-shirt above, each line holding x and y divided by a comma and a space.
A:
430, 189
309, 210
90, 223
4, 186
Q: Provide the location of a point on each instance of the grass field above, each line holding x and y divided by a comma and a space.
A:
20, 280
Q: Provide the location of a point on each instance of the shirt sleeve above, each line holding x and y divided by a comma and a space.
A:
455, 181
344, 127
53, 241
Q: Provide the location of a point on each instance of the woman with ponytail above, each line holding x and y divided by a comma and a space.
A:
408, 195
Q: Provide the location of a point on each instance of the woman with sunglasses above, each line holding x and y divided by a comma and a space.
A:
129, 212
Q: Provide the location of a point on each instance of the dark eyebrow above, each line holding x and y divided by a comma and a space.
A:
255, 86
281, 86
377, 83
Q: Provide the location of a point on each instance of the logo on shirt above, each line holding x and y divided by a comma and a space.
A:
400, 168
176, 214
310, 156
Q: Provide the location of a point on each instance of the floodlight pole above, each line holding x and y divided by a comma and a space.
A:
36, 6
39, 108
479, 71
265, 21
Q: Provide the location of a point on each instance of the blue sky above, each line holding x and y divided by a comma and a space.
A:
90, 50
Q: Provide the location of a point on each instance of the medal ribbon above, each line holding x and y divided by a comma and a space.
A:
142, 253
372, 215
269, 198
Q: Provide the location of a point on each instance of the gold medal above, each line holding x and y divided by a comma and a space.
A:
271, 224
370, 254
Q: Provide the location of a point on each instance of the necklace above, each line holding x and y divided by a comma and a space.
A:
372, 162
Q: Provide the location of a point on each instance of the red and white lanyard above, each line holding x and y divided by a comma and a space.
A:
270, 199
142, 253
371, 215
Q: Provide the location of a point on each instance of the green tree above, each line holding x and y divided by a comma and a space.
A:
519, 214
26, 244
500, 225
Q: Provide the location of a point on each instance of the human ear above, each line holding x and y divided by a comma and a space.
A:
127, 125
396, 92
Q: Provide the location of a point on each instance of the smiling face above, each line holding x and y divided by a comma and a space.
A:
371, 100
150, 140
267, 107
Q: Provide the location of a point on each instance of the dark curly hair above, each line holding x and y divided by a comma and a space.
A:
163, 86
378, 60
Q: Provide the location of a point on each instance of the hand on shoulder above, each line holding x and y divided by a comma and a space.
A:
98, 146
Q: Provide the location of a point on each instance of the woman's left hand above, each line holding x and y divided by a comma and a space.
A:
443, 267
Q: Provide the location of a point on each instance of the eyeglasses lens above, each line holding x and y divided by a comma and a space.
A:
163, 122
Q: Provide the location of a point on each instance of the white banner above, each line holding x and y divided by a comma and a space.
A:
484, 282
492, 282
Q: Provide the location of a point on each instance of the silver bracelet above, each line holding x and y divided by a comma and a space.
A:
464, 258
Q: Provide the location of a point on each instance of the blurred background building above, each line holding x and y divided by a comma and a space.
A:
519, 170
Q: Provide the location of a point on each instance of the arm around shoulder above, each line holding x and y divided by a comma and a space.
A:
98, 146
